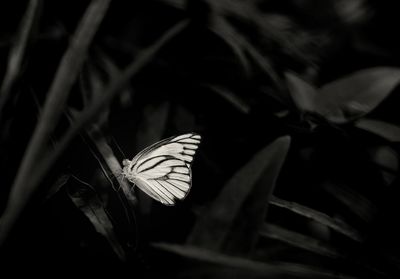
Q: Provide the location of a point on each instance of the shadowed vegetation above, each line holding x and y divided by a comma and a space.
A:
296, 103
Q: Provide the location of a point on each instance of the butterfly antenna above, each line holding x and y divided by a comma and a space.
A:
118, 147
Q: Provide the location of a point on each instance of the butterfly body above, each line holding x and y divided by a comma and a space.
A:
163, 170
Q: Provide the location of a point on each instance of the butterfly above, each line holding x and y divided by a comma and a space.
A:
163, 170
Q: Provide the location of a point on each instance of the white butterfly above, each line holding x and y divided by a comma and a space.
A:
163, 170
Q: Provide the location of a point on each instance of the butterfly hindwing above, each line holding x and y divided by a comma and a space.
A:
163, 170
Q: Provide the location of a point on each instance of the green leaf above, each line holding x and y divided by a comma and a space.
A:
86, 200
215, 222
355, 95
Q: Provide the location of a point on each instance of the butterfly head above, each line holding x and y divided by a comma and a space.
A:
126, 172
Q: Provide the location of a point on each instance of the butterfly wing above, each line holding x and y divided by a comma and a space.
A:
163, 170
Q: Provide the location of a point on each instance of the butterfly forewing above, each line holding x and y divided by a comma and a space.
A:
163, 170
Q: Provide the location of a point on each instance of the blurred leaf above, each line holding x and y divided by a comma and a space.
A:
303, 93
300, 241
231, 98
266, 270
179, 4
60, 182
266, 66
68, 69
215, 223
345, 99
85, 199
355, 95
17, 52
353, 11
387, 160
353, 201
383, 129
335, 224
245, 231
235, 41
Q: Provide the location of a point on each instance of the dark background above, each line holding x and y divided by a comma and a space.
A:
225, 77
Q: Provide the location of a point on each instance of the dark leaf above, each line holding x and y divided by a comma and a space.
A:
353, 201
237, 102
234, 40
300, 241
85, 199
303, 93
60, 182
56, 98
335, 224
353, 96
266, 270
215, 222
388, 131
244, 234
387, 161
345, 99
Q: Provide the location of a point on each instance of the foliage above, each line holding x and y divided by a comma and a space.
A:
296, 102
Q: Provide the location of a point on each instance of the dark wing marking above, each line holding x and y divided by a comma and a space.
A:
164, 168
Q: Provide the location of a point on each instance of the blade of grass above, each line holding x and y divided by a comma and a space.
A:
299, 240
335, 224
17, 52
65, 76
268, 270
16, 203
